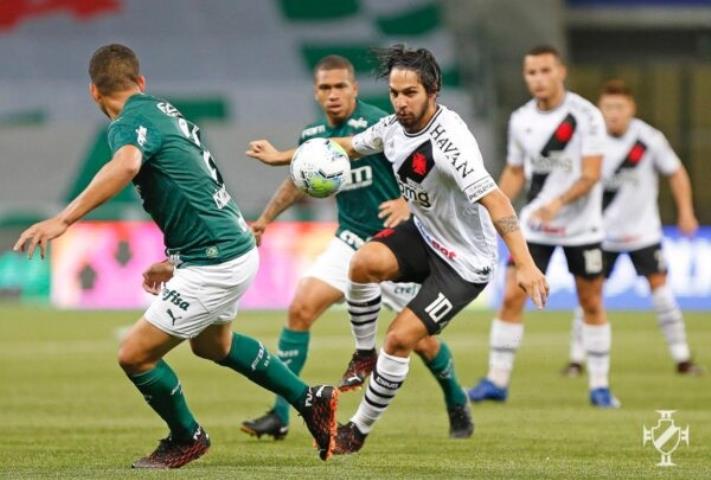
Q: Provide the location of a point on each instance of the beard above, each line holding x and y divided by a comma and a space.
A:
412, 120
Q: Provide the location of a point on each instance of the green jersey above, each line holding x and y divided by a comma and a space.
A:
372, 178
180, 185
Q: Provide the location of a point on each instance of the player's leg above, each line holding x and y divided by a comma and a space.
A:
586, 264
313, 296
249, 357
386, 379
372, 263
141, 358
439, 361
222, 289
507, 332
649, 262
575, 368
442, 296
377, 261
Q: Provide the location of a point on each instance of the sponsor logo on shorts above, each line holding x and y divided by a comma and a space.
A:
173, 296
173, 317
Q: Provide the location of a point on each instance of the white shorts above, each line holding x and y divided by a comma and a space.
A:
331, 267
199, 296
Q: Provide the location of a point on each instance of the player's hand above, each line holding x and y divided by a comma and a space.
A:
394, 212
264, 151
258, 228
548, 212
534, 283
688, 224
40, 234
156, 275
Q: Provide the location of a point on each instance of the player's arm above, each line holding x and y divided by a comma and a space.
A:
681, 191
346, 144
265, 152
367, 142
529, 277
285, 196
110, 180
590, 175
512, 180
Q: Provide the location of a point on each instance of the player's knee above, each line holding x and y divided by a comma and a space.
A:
398, 343
591, 303
513, 302
368, 265
656, 280
363, 268
301, 316
129, 361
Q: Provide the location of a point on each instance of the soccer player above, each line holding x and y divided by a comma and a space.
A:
555, 141
371, 200
635, 154
212, 260
449, 246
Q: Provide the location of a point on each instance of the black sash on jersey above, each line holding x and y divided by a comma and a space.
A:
558, 141
632, 159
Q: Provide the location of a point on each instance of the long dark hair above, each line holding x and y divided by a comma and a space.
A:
421, 61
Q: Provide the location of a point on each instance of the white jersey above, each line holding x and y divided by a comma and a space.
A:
631, 186
550, 145
441, 173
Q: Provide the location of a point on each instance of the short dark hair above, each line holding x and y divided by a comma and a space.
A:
420, 61
545, 50
114, 68
334, 62
616, 87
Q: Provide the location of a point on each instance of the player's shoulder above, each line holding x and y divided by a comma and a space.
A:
581, 107
525, 110
450, 130
645, 130
451, 121
143, 109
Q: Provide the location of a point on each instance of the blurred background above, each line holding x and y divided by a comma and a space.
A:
243, 70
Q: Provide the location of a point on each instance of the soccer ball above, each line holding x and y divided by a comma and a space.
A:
320, 167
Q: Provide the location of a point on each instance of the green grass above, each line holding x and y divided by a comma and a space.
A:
67, 411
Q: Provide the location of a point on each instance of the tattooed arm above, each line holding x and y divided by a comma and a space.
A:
285, 196
528, 275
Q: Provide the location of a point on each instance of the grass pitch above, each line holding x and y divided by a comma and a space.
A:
67, 411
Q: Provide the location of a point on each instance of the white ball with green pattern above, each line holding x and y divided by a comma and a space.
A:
320, 167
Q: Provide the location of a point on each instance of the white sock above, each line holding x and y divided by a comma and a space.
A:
671, 323
363, 307
504, 340
387, 377
596, 341
577, 352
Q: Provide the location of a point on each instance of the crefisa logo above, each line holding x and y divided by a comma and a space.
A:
665, 436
